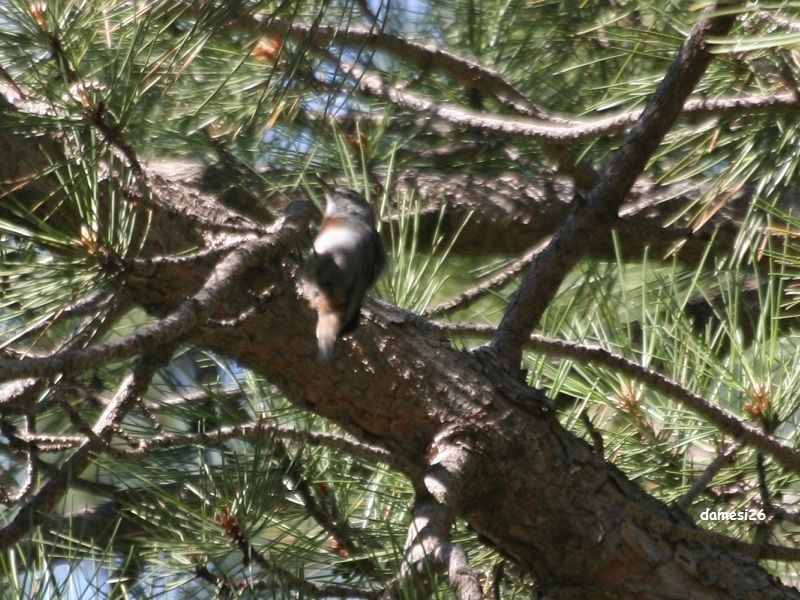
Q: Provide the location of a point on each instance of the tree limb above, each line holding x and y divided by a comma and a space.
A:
597, 216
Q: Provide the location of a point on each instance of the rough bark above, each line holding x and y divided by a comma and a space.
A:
540, 494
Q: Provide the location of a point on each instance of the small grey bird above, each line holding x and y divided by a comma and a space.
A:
346, 260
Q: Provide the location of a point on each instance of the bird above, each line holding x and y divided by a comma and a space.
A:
347, 257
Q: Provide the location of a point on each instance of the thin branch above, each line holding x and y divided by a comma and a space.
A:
553, 133
151, 188
498, 572
218, 581
597, 437
330, 519
475, 293
726, 456
196, 256
428, 57
31, 462
45, 499
259, 303
230, 523
23, 396
189, 314
781, 452
251, 430
570, 131
94, 303
20, 395
772, 509
425, 57
47, 442
779, 21
599, 213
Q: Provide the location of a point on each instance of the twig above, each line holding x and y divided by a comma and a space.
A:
82, 307
218, 581
599, 213
230, 523
779, 21
45, 499
188, 258
341, 443
498, 572
597, 438
337, 442
553, 133
777, 512
702, 482
489, 284
329, 519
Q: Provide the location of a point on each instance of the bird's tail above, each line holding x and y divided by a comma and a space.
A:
329, 324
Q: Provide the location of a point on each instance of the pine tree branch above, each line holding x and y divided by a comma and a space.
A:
777, 512
428, 543
429, 57
230, 523
253, 430
31, 460
426, 57
779, 21
598, 215
328, 517
728, 423
192, 312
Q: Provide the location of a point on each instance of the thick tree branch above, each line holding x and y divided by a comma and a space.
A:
433, 515
597, 216
429, 548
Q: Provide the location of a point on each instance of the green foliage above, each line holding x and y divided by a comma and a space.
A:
182, 80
